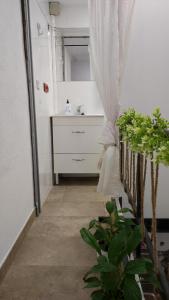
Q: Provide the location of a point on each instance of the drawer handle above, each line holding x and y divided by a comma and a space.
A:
78, 131
76, 159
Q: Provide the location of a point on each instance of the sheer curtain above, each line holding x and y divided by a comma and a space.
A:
109, 28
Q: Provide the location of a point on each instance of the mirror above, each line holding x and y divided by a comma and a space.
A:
76, 59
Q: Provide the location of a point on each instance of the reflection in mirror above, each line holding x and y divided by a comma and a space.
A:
76, 59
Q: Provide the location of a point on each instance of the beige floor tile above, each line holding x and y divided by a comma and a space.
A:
54, 251
64, 226
42, 282
82, 295
81, 188
53, 258
74, 208
85, 196
55, 196
58, 188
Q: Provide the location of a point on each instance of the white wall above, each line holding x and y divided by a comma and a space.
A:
146, 80
79, 92
42, 65
85, 92
16, 186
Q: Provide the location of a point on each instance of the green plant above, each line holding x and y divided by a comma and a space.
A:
133, 126
126, 119
163, 153
147, 135
110, 225
114, 275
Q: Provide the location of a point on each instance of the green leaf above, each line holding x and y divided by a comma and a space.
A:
106, 220
134, 239
105, 268
131, 289
117, 249
92, 223
137, 266
92, 282
102, 259
111, 207
90, 239
129, 222
125, 210
101, 234
102, 266
149, 264
110, 281
87, 274
97, 295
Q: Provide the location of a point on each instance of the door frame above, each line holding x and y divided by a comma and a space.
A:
25, 9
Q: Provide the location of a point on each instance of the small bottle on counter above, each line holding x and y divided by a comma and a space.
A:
68, 109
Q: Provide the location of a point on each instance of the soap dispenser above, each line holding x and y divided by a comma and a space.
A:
68, 108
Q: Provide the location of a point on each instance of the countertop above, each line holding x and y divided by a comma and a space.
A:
80, 116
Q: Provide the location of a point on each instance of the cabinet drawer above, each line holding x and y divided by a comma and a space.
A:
76, 163
77, 139
78, 120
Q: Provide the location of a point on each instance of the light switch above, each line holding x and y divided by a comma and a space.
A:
38, 85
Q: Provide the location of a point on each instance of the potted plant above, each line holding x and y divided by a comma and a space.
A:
114, 275
133, 125
155, 143
147, 136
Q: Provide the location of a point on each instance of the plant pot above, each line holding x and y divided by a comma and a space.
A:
151, 296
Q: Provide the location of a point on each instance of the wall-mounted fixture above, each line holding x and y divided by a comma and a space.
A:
48, 30
37, 84
39, 29
54, 8
45, 87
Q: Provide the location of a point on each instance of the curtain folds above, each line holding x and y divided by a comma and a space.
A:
109, 31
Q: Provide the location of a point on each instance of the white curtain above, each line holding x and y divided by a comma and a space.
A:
109, 28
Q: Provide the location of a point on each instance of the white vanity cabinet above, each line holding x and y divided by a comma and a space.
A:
75, 144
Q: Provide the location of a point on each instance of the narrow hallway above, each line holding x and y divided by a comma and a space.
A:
53, 258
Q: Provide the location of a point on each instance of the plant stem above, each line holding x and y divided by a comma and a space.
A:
134, 184
143, 182
142, 194
154, 187
127, 165
130, 175
156, 182
145, 172
155, 216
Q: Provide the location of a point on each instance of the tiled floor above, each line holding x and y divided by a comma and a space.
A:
53, 258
